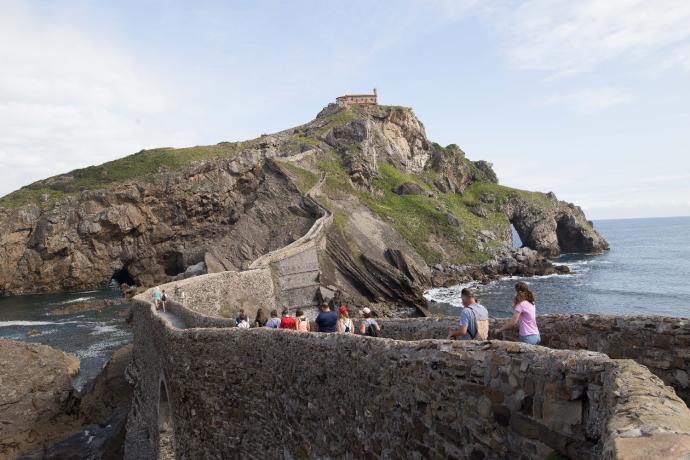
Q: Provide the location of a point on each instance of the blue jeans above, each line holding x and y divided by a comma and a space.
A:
533, 339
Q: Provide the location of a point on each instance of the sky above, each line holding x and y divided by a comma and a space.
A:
588, 99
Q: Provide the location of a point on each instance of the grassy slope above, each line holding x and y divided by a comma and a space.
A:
134, 166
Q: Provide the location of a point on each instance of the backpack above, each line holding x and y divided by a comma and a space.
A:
371, 330
482, 327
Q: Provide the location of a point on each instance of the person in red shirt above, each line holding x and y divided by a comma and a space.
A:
287, 321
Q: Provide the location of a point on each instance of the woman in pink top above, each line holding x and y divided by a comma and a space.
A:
525, 314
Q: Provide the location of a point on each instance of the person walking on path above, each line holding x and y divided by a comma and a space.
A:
302, 321
345, 324
525, 314
164, 300
287, 321
474, 319
157, 294
274, 322
369, 326
327, 319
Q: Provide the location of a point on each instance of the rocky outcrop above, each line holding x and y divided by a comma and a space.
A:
97, 418
151, 232
392, 135
554, 227
221, 212
409, 188
519, 262
36, 395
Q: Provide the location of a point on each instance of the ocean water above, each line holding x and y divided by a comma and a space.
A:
90, 335
646, 272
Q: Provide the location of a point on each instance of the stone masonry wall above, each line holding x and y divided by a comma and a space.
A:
264, 393
660, 343
224, 293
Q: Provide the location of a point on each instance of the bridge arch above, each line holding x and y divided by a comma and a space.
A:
166, 427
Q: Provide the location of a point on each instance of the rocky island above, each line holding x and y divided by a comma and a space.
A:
357, 204
407, 213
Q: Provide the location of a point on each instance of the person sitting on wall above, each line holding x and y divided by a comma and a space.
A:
242, 321
164, 299
157, 297
474, 319
302, 321
274, 322
237, 318
327, 319
345, 324
525, 313
261, 318
287, 321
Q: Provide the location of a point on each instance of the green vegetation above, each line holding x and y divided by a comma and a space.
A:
421, 219
337, 184
337, 119
133, 166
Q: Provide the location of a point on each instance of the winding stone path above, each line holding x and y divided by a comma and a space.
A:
298, 279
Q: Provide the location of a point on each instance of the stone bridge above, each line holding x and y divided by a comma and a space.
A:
216, 391
206, 389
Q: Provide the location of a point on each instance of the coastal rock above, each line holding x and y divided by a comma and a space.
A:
553, 227
87, 305
98, 418
36, 397
454, 171
149, 232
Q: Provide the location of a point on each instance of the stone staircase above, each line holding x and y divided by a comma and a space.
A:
295, 268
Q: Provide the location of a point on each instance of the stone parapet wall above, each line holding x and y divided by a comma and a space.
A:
193, 319
223, 293
264, 393
660, 343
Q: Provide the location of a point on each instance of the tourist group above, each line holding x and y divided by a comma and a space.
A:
472, 325
326, 321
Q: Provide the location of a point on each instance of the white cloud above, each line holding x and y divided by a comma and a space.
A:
590, 99
566, 37
69, 99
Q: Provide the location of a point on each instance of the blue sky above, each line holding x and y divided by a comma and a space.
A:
589, 99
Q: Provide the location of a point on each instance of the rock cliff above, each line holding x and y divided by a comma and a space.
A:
36, 396
401, 204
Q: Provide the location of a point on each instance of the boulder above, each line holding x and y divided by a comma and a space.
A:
409, 188
37, 395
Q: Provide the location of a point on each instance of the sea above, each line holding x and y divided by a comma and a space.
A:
91, 335
646, 272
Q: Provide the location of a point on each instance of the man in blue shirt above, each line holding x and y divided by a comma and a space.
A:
472, 312
327, 319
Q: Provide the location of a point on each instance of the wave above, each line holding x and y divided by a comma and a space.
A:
78, 299
104, 329
26, 323
100, 349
